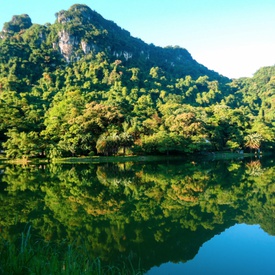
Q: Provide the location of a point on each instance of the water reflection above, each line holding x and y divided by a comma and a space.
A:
241, 249
153, 213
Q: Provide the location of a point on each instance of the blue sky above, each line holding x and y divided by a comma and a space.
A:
234, 38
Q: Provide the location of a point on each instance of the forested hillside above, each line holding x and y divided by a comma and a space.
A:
84, 86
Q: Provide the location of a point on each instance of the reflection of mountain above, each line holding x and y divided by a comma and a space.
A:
153, 212
177, 245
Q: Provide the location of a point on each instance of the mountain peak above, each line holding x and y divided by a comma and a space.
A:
82, 28
17, 24
76, 12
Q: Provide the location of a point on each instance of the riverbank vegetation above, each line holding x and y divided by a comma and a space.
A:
26, 256
97, 95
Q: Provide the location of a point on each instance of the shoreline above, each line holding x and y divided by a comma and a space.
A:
134, 158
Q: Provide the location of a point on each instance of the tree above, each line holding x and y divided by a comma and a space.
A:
22, 145
226, 124
61, 130
253, 141
108, 144
125, 141
144, 107
185, 124
165, 143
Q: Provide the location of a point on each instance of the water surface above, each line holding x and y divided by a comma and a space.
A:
182, 217
242, 249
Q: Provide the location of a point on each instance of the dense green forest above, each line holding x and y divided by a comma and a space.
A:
83, 86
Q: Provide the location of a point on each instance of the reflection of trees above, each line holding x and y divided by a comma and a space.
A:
165, 211
254, 168
261, 196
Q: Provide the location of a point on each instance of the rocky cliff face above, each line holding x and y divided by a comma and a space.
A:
84, 31
69, 46
73, 37
67, 43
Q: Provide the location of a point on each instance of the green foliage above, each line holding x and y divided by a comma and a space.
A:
22, 145
163, 142
33, 256
253, 141
18, 23
66, 88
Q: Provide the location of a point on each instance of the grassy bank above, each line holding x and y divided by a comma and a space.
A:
227, 155
27, 256
101, 159
145, 158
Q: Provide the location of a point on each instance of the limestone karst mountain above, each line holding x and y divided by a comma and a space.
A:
80, 31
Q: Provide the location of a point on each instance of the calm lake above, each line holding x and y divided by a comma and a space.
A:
169, 217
